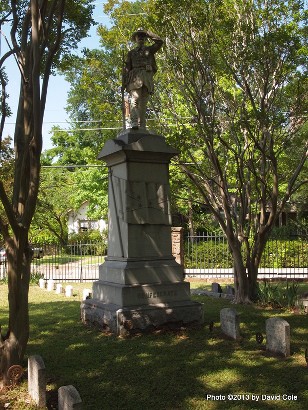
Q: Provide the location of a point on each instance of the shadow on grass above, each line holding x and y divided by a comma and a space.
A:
175, 370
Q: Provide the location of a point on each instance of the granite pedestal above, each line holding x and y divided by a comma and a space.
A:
141, 287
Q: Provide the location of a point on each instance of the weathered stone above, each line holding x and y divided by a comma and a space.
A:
229, 323
128, 271
42, 283
50, 285
140, 283
278, 336
37, 380
216, 288
69, 291
69, 398
230, 290
304, 303
58, 288
136, 295
141, 319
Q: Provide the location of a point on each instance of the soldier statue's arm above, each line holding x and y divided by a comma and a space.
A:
158, 42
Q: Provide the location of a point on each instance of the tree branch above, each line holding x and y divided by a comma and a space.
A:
8, 208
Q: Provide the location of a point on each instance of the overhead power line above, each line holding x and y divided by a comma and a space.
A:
73, 166
87, 129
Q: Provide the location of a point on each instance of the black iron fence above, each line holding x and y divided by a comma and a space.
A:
74, 262
205, 255
209, 254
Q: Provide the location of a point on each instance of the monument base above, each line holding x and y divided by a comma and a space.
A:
140, 319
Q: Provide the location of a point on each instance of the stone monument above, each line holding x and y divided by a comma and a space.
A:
141, 287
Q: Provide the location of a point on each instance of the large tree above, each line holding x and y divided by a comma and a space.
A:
41, 33
242, 69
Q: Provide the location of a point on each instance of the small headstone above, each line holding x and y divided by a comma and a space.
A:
216, 288
278, 336
69, 291
42, 283
69, 398
50, 285
37, 380
86, 294
230, 290
305, 305
229, 323
58, 288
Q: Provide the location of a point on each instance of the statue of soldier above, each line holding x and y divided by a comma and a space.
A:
140, 67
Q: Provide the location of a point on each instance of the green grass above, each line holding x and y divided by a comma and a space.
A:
175, 370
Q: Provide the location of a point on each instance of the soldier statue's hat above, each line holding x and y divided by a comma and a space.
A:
141, 31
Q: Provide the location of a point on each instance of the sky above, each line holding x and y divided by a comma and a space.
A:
58, 88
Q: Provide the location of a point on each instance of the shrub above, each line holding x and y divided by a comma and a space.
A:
35, 277
285, 253
278, 295
93, 243
278, 253
208, 254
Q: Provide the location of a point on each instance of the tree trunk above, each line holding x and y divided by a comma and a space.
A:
13, 344
253, 282
254, 263
36, 35
241, 283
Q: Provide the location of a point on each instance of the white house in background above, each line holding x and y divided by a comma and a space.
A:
78, 221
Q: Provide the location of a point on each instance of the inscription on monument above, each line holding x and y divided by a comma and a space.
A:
155, 295
140, 202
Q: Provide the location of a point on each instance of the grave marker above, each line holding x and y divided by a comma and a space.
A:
42, 283
305, 304
69, 398
37, 380
69, 291
230, 290
50, 285
59, 288
229, 323
278, 336
216, 288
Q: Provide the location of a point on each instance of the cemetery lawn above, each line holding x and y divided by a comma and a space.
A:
187, 369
